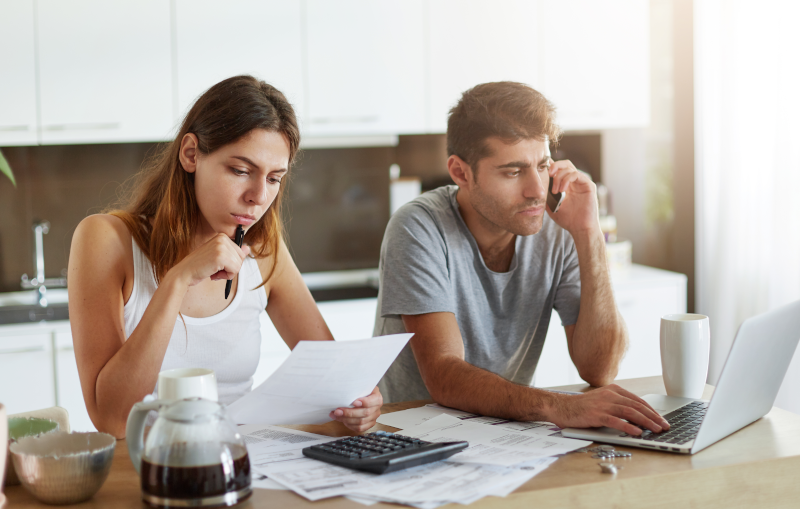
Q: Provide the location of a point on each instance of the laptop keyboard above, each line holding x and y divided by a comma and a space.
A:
684, 423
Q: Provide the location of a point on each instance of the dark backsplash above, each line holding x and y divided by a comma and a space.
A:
336, 212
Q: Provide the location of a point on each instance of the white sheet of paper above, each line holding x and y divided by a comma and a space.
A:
405, 419
490, 445
265, 483
318, 377
316, 480
444, 482
268, 444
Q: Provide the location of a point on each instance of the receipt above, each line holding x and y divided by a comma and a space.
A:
318, 377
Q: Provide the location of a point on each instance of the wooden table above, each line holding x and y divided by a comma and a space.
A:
758, 466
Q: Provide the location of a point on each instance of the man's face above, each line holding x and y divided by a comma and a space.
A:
509, 188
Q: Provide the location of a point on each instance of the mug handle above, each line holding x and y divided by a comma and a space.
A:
134, 429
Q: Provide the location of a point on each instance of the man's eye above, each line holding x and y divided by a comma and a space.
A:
513, 173
544, 167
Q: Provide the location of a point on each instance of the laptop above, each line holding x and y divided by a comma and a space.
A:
746, 390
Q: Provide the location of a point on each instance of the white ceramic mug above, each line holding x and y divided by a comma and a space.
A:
685, 346
183, 383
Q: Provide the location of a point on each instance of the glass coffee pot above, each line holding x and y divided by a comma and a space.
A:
193, 455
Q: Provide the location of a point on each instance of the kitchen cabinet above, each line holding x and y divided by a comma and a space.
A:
365, 67
595, 62
18, 122
267, 42
478, 41
26, 368
105, 71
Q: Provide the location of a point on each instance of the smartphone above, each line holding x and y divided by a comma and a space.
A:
554, 200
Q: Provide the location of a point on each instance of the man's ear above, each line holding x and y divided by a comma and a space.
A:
459, 170
188, 153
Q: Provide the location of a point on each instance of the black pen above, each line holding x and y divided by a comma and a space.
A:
239, 239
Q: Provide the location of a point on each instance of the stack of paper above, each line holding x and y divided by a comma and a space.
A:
498, 461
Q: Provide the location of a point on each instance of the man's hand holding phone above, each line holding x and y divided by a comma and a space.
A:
576, 211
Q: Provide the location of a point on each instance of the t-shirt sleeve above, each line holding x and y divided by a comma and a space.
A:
414, 274
568, 293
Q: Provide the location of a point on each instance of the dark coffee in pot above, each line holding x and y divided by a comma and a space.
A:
172, 478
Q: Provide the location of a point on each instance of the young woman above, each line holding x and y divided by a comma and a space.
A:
147, 283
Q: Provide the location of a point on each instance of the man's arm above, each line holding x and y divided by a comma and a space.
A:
439, 351
597, 342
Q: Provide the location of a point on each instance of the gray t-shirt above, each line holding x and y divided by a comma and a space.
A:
430, 263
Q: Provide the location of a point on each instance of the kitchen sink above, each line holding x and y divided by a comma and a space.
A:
23, 307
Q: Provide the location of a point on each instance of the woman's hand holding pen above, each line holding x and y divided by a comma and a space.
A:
219, 258
364, 415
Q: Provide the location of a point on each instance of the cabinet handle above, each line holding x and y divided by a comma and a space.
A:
13, 128
24, 350
108, 126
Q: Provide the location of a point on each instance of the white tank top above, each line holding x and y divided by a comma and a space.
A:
228, 342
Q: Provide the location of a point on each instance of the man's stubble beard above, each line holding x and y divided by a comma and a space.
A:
495, 214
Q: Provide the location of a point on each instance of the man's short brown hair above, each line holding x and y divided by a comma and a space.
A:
507, 110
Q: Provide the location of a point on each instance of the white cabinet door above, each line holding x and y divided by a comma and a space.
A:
478, 41
350, 319
26, 371
365, 67
216, 40
18, 121
104, 71
68, 384
595, 62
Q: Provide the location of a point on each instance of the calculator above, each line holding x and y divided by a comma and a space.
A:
382, 452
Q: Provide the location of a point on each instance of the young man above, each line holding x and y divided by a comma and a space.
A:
474, 271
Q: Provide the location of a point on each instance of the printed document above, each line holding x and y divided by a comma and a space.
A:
438, 483
269, 444
318, 377
490, 445
405, 419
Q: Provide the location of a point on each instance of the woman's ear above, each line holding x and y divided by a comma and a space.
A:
188, 153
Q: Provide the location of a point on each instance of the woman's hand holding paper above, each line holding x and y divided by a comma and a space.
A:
364, 415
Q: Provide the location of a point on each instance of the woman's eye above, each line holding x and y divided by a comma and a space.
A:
273, 180
237, 171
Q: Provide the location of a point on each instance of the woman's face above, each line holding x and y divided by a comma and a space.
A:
237, 183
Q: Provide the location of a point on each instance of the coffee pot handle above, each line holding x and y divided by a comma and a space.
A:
134, 429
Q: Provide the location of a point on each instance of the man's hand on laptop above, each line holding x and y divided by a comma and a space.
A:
610, 406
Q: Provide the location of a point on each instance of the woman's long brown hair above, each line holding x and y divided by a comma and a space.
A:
161, 210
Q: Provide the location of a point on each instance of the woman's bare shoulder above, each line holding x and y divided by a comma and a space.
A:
103, 236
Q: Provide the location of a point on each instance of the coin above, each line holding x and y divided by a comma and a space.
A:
609, 468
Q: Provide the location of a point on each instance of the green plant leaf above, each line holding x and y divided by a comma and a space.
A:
5, 169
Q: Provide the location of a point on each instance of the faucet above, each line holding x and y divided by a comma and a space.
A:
40, 282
